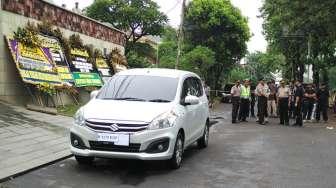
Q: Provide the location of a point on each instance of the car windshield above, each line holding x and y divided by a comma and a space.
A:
140, 88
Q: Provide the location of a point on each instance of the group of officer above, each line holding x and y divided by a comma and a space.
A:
293, 101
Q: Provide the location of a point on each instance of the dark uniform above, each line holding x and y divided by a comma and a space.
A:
253, 100
291, 110
309, 100
322, 104
298, 105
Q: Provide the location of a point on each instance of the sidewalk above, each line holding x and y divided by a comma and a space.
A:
30, 139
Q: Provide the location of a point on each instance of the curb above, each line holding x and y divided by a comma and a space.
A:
2, 180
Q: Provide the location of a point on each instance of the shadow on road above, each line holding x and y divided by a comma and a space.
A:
131, 172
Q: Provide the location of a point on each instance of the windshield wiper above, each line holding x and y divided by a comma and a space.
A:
159, 100
128, 99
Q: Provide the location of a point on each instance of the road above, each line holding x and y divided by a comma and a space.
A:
245, 155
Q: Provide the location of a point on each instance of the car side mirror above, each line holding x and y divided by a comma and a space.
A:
191, 100
94, 94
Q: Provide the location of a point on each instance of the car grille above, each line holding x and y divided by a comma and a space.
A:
115, 127
109, 146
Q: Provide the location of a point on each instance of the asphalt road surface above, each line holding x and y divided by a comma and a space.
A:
245, 155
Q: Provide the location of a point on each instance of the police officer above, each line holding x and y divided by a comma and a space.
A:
235, 99
309, 100
322, 103
262, 91
253, 99
283, 102
298, 96
245, 97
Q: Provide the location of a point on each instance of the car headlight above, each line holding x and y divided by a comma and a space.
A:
164, 120
79, 117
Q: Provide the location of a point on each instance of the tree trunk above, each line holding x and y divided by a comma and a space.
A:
316, 75
301, 71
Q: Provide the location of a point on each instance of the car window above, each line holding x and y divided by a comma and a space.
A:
192, 86
197, 84
140, 87
186, 88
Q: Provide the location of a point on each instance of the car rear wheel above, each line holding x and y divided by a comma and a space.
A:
82, 160
204, 140
176, 160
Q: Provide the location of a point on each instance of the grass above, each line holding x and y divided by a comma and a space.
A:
68, 110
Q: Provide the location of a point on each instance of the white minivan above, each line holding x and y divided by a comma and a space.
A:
146, 114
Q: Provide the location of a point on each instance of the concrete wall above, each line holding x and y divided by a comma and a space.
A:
11, 85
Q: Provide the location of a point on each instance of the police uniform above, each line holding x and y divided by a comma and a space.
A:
235, 100
262, 91
283, 101
298, 105
245, 95
322, 104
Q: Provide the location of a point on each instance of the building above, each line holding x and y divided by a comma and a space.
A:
14, 14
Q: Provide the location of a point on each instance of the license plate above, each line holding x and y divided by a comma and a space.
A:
117, 139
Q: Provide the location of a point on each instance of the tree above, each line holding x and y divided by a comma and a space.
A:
220, 26
238, 73
168, 48
198, 60
262, 65
135, 60
290, 25
137, 18
141, 55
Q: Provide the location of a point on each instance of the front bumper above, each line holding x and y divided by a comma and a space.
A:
144, 138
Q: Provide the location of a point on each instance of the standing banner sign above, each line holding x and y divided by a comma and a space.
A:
103, 68
34, 64
83, 71
58, 57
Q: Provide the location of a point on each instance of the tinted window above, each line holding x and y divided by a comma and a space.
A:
198, 87
192, 86
146, 88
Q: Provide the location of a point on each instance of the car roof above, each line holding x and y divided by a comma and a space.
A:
158, 72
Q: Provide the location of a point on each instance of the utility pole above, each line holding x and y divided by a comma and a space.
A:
180, 35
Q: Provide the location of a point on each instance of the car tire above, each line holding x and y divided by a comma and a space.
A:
176, 160
82, 160
204, 140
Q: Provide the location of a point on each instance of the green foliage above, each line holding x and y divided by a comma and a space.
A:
139, 17
76, 42
290, 25
198, 60
68, 110
135, 60
168, 48
261, 65
238, 73
145, 50
28, 35
332, 78
46, 88
220, 26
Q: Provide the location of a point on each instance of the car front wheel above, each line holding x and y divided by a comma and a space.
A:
204, 140
176, 160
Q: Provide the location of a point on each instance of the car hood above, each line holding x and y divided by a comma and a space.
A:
124, 110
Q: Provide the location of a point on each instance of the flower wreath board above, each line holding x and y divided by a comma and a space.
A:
84, 73
35, 64
58, 56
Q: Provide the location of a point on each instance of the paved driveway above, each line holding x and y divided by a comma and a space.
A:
245, 155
